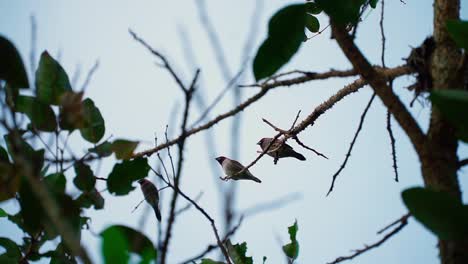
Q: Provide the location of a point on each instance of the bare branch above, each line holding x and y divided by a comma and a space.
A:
403, 221
392, 143
89, 76
351, 88
462, 163
214, 39
165, 62
348, 154
272, 205
378, 83
211, 247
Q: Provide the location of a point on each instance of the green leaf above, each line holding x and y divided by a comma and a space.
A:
102, 150
343, 12
119, 240
84, 179
373, 3
91, 198
94, 128
3, 155
56, 183
12, 250
210, 261
285, 35
313, 8
238, 253
123, 149
3, 213
125, 173
61, 255
51, 80
41, 115
11, 65
312, 23
292, 249
453, 104
458, 30
438, 211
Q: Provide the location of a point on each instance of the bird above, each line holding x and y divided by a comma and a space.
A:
232, 169
279, 149
151, 196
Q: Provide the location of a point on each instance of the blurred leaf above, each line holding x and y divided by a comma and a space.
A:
61, 256
285, 35
56, 183
438, 211
94, 128
458, 30
313, 8
9, 181
93, 197
69, 211
264, 259
210, 261
125, 239
12, 250
3, 155
238, 253
292, 249
84, 179
373, 3
51, 80
17, 219
31, 210
343, 12
123, 149
102, 150
3, 213
22, 153
125, 173
71, 114
312, 23
41, 115
114, 247
454, 105
11, 65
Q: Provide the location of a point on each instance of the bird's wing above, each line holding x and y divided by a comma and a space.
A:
236, 165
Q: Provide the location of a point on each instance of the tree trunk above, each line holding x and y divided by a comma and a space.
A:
439, 158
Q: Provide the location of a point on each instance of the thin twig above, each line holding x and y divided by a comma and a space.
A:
89, 76
211, 247
185, 208
348, 154
165, 62
351, 88
392, 143
271, 205
403, 222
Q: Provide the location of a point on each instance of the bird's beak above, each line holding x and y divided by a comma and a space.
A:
259, 143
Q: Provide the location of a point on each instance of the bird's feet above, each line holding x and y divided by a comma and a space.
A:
225, 178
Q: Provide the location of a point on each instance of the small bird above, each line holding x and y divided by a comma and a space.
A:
232, 169
151, 196
278, 151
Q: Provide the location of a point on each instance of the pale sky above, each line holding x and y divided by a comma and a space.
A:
136, 97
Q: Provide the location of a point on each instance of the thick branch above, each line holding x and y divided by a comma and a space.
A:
378, 82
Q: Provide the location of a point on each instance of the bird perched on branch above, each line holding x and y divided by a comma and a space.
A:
232, 169
279, 149
151, 196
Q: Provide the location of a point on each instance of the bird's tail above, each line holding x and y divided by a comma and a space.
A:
253, 178
299, 156
157, 212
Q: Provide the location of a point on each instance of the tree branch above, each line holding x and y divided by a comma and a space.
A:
378, 82
351, 88
403, 221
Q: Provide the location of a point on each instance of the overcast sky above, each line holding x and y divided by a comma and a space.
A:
136, 98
